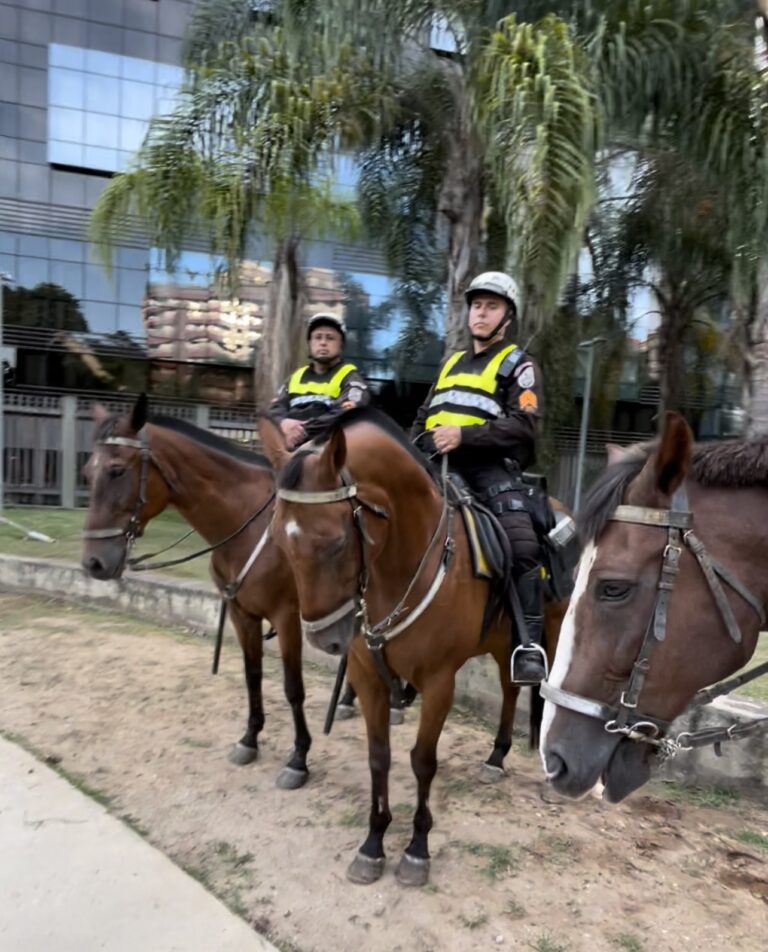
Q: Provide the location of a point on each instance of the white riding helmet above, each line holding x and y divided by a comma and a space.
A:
326, 319
494, 282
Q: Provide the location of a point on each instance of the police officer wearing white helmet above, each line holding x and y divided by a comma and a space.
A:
484, 409
315, 394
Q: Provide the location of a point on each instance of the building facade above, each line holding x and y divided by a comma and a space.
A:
79, 81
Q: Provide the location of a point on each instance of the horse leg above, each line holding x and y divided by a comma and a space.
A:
437, 697
346, 706
295, 773
248, 628
368, 864
493, 768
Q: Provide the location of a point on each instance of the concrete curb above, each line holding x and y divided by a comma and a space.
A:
743, 764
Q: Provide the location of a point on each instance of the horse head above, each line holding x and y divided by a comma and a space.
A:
126, 489
644, 631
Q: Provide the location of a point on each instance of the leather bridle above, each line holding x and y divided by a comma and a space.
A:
625, 718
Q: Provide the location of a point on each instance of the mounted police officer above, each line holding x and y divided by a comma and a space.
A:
484, 410
315, 394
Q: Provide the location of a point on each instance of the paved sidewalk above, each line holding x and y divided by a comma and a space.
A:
75, 879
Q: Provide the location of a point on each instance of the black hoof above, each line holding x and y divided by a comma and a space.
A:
412, 871
344, 712
291, 779
491, 774
396, 715
241, 754
365, 870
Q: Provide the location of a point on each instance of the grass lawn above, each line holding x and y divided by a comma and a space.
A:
65, 525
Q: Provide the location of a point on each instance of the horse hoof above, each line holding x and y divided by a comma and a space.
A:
365, 870
412, 871
242, 754
491, 774
396, 715
344, 712
291, 779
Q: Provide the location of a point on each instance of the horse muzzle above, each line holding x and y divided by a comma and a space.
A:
334, 632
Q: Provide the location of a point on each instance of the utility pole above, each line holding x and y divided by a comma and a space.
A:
589, 346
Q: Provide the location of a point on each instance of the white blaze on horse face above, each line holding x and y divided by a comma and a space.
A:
292, 529
565, 644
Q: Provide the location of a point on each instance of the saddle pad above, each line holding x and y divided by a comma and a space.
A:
485, 546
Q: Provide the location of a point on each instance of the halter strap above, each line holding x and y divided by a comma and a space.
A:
318, 498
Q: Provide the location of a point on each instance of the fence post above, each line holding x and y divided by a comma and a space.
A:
68, 451
203, 416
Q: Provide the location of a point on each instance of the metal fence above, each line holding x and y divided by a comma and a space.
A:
48, 439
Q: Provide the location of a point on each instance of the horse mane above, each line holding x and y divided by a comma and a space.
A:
290, 476
196, 434
725, 464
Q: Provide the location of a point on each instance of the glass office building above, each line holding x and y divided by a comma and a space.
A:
79, 81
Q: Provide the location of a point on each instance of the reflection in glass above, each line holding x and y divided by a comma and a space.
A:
64, 250
103, 95
65, 153
66, 87
101, 316
68, 275
66, 125
94, 157
101, 130
34, 245
107, 64
31, 271
131, 134
138, 100
72, 56
98, 287
129, 320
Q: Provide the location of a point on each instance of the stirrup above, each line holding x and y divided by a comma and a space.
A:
522, 650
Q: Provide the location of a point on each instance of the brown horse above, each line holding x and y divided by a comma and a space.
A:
668, 599
137, 469
388, 549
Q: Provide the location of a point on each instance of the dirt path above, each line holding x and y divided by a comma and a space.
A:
131, 711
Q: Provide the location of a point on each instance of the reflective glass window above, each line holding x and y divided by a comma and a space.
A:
105, 64
65, 153
129, 320
101, 316
64, 250
131, 286
98, 287
35, 246
71, 56
101, 130
68, 275
145, 71
66, 87
66, 125
7, 242
132, 132
32, 271
96, 157
138, 100
102, 95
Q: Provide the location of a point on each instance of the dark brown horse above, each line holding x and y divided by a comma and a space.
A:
137, 469
386, 547
669, 599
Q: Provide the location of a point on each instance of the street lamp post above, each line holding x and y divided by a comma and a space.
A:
4, 278
589, 346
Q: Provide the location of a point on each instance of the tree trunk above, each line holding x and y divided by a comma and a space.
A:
282, 339
461, 205
675, 321
757, 362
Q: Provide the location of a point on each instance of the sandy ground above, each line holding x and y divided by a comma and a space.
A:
130, 713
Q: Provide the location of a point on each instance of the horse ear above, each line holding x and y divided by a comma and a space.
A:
139, 413
99, 413
673, 459
334, 453
273, 441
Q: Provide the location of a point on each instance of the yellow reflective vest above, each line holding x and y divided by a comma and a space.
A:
467, 399
302, 392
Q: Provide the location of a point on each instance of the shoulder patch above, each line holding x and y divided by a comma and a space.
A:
354, 396
526, 376
528, 401
509, 363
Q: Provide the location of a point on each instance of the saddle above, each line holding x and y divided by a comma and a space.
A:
488, 543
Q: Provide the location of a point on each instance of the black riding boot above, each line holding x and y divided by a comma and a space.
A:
529, 661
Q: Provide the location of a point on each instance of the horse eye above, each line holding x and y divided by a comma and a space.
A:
614, 591
116, 471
